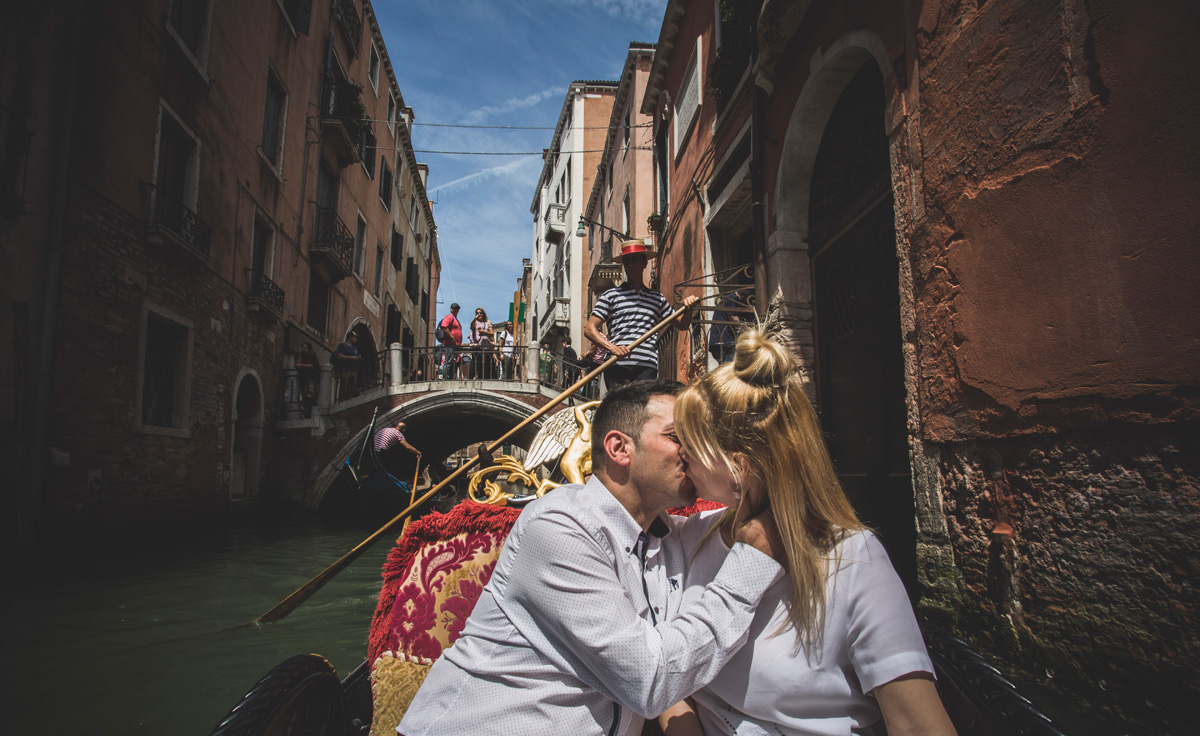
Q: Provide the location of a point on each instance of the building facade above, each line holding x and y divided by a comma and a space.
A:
970, 222
559, 288
224, 183
621, 200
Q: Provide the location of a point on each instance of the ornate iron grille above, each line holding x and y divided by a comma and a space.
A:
185, 225
334, 239
265, 291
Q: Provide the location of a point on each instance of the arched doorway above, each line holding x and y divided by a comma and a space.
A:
860, 368
246, 463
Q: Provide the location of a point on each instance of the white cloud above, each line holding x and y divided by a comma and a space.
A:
483, 114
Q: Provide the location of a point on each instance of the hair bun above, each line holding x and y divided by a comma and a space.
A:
760, 360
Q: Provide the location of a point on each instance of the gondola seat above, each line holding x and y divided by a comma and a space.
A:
431, 581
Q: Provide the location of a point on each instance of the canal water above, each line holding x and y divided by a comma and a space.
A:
150, 636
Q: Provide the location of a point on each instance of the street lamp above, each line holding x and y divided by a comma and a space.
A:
581, 231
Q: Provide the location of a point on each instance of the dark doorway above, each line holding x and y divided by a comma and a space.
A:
860, 365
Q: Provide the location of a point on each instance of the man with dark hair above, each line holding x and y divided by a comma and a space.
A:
582, 628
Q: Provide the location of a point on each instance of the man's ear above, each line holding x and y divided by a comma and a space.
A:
618, 447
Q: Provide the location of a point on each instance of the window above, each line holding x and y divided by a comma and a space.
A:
567, 180
176, 174
412, 281
373, 68
262, 250
274, 115
385, 183
391, 117
397, 250
360, 246
188, 23
166, 363
379, 272
424, 305
628, 109
625, 212
689, 100
299, 12
366, 151
318, 303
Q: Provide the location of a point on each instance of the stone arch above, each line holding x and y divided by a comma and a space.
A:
788, 291
245, 460
438, 424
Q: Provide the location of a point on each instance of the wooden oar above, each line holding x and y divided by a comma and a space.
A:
304, 592
412, 492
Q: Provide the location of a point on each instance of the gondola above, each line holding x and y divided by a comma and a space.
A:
304, 695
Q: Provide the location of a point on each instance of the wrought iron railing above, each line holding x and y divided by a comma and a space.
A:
331, 238
186, 227
463, 363
345, 12
264, 291
557, 372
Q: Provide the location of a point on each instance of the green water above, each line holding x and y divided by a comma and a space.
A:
144, 638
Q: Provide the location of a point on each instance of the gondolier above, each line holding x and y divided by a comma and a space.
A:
389, 441
628, 311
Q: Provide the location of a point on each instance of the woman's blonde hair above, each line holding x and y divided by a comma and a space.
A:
753, 417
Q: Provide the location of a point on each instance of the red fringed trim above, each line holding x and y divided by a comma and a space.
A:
700, 505
468, 516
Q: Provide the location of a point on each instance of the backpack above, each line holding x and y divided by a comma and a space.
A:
440, 334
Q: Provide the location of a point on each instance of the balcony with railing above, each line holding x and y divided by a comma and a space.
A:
558, 316
343, 119
264, 294
349, 21
333, 244
175, 222
556, 223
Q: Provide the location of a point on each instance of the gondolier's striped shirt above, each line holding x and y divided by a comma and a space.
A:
629, 313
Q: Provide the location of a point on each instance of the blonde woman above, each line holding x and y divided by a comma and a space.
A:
834, 647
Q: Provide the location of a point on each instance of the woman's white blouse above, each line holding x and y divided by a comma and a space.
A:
771, 687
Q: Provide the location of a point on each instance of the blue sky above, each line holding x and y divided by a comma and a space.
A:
497, 62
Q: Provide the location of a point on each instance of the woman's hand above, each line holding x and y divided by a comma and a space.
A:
680, 720
911, 707
761, 533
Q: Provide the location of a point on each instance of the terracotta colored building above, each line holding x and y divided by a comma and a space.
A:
191, 191
973, 223
622, 197
559, 290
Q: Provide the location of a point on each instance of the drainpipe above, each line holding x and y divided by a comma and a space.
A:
758, 209
30, 518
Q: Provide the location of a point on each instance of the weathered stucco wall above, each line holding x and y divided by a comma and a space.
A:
1057, 333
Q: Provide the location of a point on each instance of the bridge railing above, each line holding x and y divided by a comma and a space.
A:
464, 363
558, 373
306, 395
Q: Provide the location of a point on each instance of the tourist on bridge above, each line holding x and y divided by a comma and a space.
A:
580, 629
483, 360
629, 311
449, 334
835, 647
505, 343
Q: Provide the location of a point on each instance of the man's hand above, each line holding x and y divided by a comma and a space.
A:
762, 534
620, 350
688, 301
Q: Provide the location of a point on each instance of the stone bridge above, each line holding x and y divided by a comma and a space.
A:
442, 417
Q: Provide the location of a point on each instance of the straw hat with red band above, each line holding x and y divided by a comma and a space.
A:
634, 248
